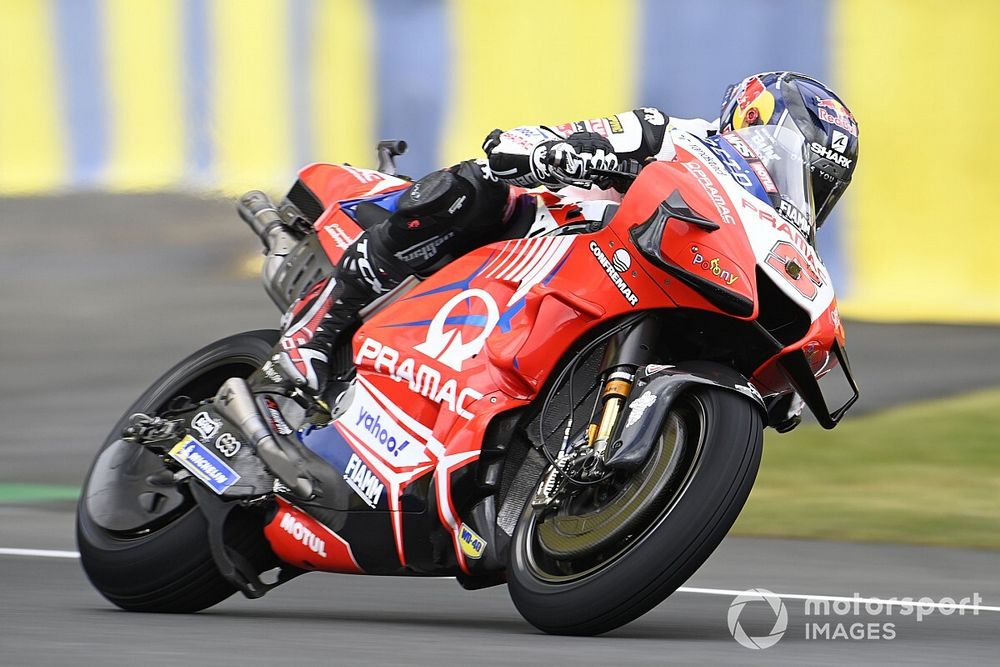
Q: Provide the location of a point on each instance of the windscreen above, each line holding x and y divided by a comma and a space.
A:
778, 156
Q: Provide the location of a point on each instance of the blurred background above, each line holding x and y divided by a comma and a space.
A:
127, 126
229, 95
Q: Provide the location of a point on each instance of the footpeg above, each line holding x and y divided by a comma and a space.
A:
235, 403
145, 430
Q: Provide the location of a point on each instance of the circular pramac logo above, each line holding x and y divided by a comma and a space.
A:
448, 345
780, 620
621, 260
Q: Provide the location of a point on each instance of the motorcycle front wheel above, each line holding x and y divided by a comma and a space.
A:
144, 546
604, 556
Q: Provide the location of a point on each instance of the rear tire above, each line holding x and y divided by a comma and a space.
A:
664, 553
160, 561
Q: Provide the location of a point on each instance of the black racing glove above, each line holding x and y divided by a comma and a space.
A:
572, 161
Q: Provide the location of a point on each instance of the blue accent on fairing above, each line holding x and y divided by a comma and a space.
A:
459, 285
328, 444
79, 38
480, 320
198, 68
756, 188
389, 201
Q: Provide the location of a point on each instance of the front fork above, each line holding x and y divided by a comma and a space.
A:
625, 354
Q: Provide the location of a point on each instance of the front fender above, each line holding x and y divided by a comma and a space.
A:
655, 389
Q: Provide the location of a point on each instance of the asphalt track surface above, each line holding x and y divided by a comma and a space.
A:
101, 294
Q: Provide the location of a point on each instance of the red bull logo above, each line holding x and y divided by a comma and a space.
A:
754, 104
832, 111
751, 90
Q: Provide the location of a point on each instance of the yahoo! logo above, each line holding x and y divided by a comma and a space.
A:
373, 424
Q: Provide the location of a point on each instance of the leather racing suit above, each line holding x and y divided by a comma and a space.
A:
452, 211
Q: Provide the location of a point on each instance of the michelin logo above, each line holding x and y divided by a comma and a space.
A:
364, 482
204, 464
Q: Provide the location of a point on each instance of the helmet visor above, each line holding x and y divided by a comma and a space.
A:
778, 155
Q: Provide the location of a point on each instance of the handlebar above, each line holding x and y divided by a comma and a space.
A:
387, 151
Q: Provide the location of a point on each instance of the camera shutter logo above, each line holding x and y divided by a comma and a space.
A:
780, 621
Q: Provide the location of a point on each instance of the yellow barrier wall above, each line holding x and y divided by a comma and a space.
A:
923, 77
231, 95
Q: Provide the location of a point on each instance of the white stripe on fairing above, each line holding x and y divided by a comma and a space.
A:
496, 257
509, 254
543, 248
528, 253
555, 254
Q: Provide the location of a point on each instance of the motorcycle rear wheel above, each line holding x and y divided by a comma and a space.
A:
717, 436
144, 547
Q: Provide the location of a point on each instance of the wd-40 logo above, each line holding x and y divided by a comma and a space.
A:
472, 544
364, 482
448, 345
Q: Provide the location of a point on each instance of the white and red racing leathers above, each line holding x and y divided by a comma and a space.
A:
450, 212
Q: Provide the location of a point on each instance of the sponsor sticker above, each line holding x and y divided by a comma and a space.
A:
714, 266
278, 422
638, 407
340, 238
472, 544
421, 378
834, 112
206, 425
300, 532
204, 464
621, 260
447, 345
380, 432
653, 116
271, 374
228, 445
364, 482
839, 142
609, 268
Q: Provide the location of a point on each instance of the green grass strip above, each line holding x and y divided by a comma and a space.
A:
927, 473
15, 492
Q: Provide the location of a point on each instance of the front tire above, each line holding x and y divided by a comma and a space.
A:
598, 593
145, 547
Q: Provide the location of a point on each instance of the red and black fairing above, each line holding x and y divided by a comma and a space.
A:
481, 337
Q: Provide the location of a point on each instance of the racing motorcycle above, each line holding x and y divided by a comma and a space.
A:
575, 410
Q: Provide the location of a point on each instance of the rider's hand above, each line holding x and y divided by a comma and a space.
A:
572, 160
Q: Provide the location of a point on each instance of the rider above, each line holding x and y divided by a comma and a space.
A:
450, 212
